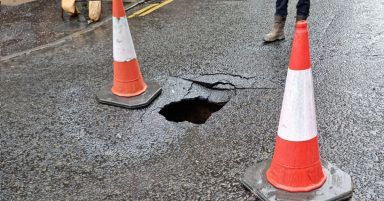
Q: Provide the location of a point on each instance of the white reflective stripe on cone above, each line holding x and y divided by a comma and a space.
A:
298, 115
123, 49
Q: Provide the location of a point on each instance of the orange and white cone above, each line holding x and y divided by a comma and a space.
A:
128, 89
296, 165
296, 168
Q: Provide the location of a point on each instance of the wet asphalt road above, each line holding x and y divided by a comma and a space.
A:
39, 23
26, 26
58, 143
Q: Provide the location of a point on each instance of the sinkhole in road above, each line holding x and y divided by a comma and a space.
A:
195, 110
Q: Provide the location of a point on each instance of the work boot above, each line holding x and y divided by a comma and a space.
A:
277, 32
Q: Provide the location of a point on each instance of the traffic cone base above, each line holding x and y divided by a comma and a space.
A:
337, 186
106, 96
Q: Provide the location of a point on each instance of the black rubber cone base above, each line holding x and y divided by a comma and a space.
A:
338, 185
106, 96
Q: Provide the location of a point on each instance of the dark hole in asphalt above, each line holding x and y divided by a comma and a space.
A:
196, 110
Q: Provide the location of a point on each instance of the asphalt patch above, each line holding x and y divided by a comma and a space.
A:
195, 110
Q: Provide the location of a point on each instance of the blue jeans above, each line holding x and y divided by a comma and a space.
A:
302, 8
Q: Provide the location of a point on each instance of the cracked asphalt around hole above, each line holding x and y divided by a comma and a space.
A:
59, 143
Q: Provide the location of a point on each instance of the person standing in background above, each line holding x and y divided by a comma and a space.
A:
302, 13
88, 11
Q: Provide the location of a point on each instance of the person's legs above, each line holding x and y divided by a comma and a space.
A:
83, 11
302, 9
281, 13
281, 8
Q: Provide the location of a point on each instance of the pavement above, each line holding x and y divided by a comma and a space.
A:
59, 143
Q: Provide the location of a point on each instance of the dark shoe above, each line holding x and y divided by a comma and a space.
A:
83, 17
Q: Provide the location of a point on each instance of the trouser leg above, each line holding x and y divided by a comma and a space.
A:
281, 8
83, 5
302, 9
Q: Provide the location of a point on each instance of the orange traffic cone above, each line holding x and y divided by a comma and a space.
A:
128, 89
296, 165
296, 171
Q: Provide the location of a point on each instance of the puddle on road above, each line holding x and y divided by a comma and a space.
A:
196, 110
14, 2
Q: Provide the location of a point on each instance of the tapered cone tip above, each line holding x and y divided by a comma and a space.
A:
118, 8
127, 79
300, 54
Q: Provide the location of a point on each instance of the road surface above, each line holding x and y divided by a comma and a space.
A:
59, 143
